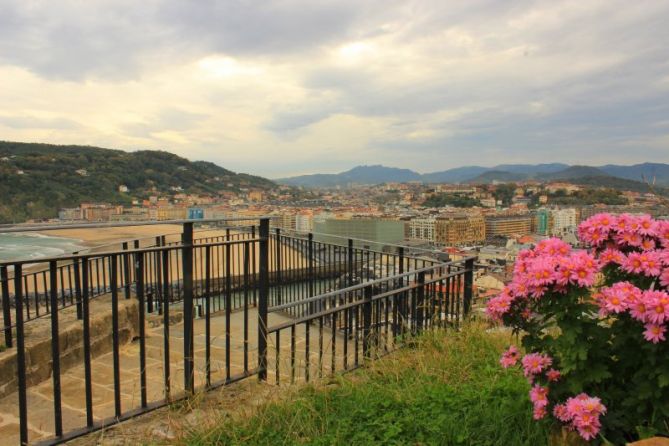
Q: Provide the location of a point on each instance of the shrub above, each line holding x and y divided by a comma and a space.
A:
594, 325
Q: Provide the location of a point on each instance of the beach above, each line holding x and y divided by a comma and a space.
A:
101, 240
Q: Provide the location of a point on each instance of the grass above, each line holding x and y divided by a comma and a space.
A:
446, 389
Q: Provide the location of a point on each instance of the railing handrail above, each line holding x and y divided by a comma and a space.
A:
395, 245
51, 227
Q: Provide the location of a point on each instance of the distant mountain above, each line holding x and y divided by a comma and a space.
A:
358, 175
457, 175
532, 169
473, 174
38, 179
574, 172
657, 171
498, 175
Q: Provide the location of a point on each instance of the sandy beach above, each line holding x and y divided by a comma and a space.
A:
100, 240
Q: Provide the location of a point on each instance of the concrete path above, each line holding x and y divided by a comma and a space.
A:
40, 397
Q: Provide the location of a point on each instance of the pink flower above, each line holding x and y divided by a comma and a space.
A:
539, 412
561, 413
633, 263
582, 412
652, 263
648, 244
654, 333
539, 396
663, 232
657, 306
625, 239
534, 363
664, 278
647, 226
510, 357
585, 268
611, 255
499, 305
553, 375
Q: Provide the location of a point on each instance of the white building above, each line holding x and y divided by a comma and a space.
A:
564, 221
304, 223
422, 229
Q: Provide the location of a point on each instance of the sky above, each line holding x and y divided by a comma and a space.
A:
286, 87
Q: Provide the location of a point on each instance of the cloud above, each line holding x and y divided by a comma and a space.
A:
298, 86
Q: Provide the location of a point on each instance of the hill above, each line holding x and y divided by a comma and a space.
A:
657, 171
376, 174
574, 172
498, 175
38, 179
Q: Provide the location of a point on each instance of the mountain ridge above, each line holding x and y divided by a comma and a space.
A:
470, 174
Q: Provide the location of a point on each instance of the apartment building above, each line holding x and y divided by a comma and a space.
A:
454, 230
508, 226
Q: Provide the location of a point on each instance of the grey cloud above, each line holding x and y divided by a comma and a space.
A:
117, 39
33, 122
169, 119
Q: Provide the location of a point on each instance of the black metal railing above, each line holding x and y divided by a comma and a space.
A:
358, 322
219, 308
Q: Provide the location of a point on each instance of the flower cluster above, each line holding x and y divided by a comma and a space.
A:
582, 413
550, 266
623, 273
510, 357
535, 368
650, 307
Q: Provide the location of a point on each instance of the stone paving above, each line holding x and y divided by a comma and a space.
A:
40, 396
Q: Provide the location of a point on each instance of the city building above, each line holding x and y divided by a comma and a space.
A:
564, 221
454, 230
378, 231
421, 229
508, 226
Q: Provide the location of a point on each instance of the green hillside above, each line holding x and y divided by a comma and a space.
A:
38, 179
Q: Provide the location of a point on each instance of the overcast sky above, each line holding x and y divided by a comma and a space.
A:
279, 88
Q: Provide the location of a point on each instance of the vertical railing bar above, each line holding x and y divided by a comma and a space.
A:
55, 352
187, 268
207, 320
87, 343
139, 277
21, 356
113, 271
6, 309
263, 297
166, 320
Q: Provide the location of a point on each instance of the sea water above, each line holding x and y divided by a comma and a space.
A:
28, 246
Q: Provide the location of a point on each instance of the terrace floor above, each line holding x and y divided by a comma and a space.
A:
40, 396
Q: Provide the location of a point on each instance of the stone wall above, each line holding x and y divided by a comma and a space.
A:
39, 364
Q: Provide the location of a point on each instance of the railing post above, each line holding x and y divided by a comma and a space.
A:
402, 302
126, 271
6, 310
310, 270
187, 268
367, 321
139, 277
263, 295
55, 349
77, 288
350, 262
277, 270
21, 355
420, 304
469, 285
